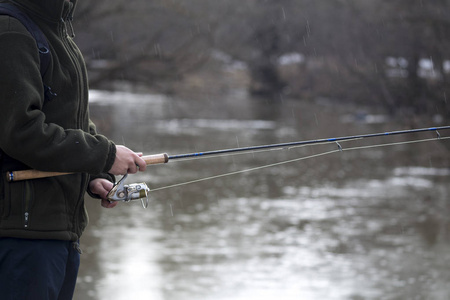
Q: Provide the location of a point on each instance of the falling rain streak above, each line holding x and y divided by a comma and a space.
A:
350, 225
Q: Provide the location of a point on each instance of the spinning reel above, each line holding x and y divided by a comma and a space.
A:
127, 192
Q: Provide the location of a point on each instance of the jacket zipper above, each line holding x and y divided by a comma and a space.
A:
73, 58
72, 52
79, 206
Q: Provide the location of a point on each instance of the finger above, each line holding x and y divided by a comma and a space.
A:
107, 185
104, 188
132, 169
103, 193
142, 165
108, 204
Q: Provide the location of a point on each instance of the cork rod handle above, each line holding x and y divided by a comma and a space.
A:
35, 174
156, 159
30, 174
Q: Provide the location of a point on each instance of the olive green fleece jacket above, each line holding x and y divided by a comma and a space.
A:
53, 135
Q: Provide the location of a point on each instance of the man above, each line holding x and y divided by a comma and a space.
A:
41, 220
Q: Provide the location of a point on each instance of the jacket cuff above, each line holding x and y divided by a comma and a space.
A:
111, 158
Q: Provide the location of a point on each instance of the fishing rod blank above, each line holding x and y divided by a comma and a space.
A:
165, 158
301, 143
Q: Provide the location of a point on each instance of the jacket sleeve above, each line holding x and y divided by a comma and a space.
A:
25, 135
106, 176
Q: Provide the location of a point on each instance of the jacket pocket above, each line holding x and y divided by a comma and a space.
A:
17, 203
36, 205
46, 209
13, 214
2, 199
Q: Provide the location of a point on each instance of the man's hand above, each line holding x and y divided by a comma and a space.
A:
127, 162
102, 187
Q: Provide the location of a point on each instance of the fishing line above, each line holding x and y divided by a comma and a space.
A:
340, 149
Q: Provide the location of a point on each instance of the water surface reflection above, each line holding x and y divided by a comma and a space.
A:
369, 224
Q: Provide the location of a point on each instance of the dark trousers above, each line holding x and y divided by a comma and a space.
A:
37, 269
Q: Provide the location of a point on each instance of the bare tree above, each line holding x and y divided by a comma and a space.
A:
144, 41
347, 45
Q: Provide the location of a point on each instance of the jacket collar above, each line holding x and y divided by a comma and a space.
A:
50, 10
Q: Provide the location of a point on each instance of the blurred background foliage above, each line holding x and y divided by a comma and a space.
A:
394, 54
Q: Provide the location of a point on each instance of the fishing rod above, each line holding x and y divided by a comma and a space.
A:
162, 158
122, 192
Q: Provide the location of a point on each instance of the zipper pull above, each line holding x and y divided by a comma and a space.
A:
64, 26
72, 31
76, 246
26, 219
48, 93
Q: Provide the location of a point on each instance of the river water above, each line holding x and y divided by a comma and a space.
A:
362, 224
